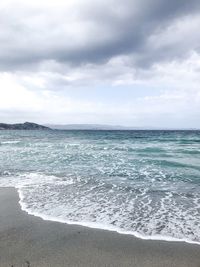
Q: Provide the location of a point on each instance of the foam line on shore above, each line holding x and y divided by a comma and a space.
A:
99, 226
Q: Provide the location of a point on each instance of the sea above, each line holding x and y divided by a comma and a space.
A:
143, 183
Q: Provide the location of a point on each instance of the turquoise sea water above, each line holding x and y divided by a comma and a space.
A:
145, 183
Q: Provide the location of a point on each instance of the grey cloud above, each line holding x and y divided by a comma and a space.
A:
30, 36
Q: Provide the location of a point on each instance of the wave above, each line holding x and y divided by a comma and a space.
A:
95, 225
9, 142
42, 195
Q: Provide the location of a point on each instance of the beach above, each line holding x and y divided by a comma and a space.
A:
27, 240
99, 133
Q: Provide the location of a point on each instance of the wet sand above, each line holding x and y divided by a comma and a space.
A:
26, 240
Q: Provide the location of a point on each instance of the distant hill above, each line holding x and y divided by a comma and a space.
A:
109, 127
23, 126
89, 127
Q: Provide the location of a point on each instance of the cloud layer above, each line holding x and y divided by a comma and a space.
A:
94, 32
51, 52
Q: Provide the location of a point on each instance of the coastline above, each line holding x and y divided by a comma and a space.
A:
28, 239
101, 226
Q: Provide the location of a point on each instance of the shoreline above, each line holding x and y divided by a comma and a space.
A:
101, 227
26, 238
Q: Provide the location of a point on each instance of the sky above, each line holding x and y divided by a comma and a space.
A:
132, 62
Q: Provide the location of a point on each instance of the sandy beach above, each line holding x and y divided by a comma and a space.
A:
26, 240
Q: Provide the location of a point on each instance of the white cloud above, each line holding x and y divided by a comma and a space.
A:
53, 51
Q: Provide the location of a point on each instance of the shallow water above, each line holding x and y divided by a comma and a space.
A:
142, 182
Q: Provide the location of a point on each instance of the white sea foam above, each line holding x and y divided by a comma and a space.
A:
9, 142
31, 179
96, 225
48, 197
38, 197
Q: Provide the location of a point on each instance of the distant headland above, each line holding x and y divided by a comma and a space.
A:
23, 126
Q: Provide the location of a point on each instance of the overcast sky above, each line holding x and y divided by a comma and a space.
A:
131, 62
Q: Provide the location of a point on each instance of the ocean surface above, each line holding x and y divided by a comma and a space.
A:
145, 183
